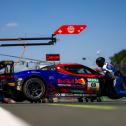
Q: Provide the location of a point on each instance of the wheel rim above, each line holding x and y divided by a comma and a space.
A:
34, 89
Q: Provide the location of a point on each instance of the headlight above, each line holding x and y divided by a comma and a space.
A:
19, 84
19, 81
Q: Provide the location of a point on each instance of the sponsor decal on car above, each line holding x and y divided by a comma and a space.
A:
93, 84
64, 85
80, 81
93, 80
77, 91
64, 82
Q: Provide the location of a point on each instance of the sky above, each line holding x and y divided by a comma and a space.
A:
104, 36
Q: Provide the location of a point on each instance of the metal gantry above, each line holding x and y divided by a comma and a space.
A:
51, 41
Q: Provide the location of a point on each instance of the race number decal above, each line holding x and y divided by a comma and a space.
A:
93, 84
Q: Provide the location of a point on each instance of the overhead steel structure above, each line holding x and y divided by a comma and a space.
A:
51, 41
64, 29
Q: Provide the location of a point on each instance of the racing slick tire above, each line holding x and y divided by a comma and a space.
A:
34, 89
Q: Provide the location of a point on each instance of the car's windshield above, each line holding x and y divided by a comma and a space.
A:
79, 69
50, 67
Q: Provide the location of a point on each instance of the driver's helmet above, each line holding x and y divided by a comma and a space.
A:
100, 61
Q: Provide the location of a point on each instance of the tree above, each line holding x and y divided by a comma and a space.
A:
119, 61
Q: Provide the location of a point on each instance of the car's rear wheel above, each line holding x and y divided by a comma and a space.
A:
34, 89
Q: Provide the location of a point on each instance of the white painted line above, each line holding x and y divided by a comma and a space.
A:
87, 106
8, 119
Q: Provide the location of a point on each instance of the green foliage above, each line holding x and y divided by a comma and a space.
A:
119, 60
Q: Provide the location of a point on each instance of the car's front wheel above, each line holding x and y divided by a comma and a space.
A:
34, 89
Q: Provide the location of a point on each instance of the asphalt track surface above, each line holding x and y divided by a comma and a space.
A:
109, 113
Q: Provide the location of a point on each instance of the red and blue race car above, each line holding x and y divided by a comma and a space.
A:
70, 79
54, 80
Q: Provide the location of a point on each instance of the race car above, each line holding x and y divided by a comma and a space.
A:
69, 79
55, 80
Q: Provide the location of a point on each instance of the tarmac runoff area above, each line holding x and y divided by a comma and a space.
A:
69, 113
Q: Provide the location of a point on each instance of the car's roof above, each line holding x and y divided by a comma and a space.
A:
68, 64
